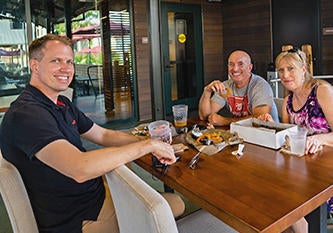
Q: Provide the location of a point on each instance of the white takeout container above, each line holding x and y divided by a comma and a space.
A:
260, 135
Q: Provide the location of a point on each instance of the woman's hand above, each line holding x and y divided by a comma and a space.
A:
312, 145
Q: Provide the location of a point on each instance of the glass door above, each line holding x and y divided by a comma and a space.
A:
182, 54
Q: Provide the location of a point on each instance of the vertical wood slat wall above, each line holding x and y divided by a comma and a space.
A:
142, 59
212, 42
247, 25
327, 40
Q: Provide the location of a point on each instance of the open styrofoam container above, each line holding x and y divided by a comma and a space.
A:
268, 134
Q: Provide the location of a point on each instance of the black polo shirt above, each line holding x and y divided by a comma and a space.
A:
60, 204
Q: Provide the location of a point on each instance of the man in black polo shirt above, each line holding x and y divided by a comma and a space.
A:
40, 135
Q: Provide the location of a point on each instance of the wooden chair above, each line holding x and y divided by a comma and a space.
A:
140, 208
16, 199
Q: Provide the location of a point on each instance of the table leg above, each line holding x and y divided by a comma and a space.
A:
86, 86
317, 220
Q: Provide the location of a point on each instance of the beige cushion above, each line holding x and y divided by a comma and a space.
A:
140, 208
16, 199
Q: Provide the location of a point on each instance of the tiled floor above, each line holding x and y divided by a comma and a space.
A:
94, 107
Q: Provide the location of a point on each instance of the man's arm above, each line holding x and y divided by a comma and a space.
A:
260, 110
206, 106
108, 137
261, 98
82, 166
218, 120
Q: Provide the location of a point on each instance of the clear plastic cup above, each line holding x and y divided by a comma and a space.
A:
160, 130
180, 115
298, 140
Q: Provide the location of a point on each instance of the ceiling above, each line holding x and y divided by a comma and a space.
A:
43, 12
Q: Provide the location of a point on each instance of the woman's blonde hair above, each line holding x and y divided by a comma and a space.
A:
297, 58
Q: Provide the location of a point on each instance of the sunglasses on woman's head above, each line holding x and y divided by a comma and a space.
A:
297, 51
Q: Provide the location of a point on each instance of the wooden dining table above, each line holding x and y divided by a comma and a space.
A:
264, 190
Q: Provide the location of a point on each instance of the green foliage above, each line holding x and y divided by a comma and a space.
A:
78, 59
93, 59
88, 18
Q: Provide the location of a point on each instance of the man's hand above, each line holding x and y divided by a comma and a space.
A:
164, 152
266, 117
215, 86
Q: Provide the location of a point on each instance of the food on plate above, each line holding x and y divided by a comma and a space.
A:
214, 137
141, 131
226, 93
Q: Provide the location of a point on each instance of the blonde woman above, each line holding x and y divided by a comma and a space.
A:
309, 103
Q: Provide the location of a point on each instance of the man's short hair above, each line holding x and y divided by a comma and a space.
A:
35, 48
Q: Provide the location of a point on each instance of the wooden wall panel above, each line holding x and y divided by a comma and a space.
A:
142, 59
212, 42
247, 26
327, 40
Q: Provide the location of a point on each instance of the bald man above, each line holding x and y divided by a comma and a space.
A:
244, 94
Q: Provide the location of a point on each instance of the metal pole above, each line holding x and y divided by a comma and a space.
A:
156, 70
28, 20
68, 19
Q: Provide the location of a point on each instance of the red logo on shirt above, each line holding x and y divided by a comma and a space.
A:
73, 122
60, 103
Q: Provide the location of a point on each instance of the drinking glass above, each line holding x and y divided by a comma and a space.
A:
180, 115
160, 130
298, 140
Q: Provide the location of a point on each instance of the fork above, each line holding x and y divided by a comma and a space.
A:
193, 163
